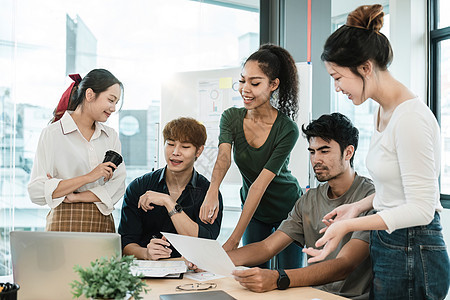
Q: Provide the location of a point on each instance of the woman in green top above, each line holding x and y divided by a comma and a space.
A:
262, 135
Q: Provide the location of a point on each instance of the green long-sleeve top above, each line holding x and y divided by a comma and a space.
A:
284, 190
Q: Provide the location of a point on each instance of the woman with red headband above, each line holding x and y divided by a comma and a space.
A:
68, 173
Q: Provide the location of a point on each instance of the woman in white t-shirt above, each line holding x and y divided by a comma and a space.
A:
68, 171
409, 255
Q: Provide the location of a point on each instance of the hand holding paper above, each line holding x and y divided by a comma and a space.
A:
206, 254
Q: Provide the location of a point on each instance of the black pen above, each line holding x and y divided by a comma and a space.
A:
155, 237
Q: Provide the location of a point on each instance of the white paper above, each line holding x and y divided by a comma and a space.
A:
158, 268
207, 254
202, 276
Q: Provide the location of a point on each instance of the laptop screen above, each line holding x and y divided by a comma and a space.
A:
43, 261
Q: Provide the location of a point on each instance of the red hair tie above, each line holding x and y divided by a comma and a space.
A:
64, 102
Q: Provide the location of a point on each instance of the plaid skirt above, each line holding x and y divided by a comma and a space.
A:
80, 217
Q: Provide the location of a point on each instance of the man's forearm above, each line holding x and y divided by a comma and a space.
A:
352, 254
184, 225
260, 252
250, 255
318, 274
136, 250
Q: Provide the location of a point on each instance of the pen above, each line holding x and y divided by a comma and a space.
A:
155, 237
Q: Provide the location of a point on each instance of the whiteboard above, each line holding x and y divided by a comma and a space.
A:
204, 95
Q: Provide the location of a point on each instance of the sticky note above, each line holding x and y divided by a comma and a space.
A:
225, 83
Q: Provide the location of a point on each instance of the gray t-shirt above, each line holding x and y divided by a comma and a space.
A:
305, 221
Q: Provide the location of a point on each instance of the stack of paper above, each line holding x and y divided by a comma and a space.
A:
159, 268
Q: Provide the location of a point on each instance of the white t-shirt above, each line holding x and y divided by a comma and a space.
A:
404, 162
64, 153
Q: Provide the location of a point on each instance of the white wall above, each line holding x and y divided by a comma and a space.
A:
409, 43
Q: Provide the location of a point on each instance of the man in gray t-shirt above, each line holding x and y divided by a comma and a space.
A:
346, 272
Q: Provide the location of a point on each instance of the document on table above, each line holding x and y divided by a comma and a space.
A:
159, 268
202, 276
206, 254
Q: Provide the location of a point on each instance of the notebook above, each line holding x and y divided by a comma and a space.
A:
43, 261
209, 295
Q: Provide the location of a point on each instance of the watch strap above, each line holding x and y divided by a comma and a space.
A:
283, 281
177, 209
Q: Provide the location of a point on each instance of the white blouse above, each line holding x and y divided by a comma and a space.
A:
404, 162
64, 153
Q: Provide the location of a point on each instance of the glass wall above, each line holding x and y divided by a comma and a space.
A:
141, 42
444, 91
443, 17
440, 85
440, 96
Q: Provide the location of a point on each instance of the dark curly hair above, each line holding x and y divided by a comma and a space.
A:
276, 62
359, 40
335, 127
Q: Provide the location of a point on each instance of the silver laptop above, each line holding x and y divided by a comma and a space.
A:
209, 295
43, 261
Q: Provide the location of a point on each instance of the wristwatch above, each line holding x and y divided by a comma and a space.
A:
283, 280
177, 209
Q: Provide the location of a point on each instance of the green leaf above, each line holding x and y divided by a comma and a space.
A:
108, 278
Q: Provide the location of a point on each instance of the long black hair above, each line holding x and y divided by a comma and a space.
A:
99, 80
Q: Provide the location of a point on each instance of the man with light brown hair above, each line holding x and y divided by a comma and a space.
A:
168, 199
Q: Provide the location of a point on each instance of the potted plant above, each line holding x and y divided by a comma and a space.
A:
108, 279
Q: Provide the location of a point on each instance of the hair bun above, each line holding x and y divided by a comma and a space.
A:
368, 17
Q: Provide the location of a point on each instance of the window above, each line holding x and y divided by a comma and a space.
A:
439, 90
440, 85
442, 15
141, 42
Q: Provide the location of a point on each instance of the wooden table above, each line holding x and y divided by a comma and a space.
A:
232, 287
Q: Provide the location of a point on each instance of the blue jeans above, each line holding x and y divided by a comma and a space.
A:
290, 258
410, 263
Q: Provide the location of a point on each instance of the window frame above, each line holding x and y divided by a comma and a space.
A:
435, 37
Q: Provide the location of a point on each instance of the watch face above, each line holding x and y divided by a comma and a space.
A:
283, 281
